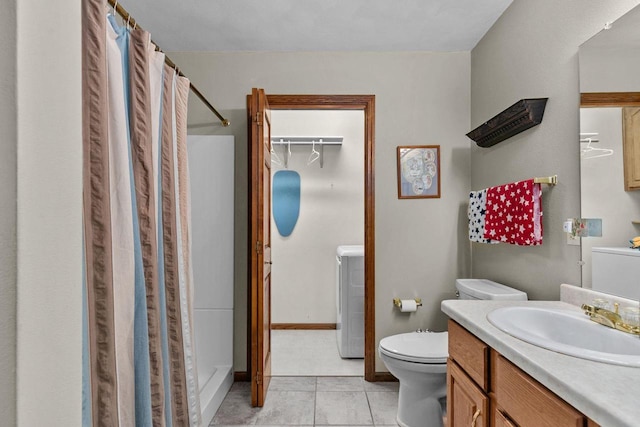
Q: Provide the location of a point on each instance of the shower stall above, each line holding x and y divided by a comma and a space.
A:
211, 160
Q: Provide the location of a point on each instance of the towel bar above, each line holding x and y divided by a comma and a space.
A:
551, 180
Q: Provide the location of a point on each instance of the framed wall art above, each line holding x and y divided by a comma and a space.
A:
419, 172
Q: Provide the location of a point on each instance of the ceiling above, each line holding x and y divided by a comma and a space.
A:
316, 25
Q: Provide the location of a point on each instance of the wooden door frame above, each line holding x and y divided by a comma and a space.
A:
366, 103
609, 99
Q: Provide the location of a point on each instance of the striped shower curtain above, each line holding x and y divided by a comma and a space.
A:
139, 365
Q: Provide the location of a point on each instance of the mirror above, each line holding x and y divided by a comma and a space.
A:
610, 89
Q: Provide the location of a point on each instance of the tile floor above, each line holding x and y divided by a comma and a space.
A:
310, 353
312, 401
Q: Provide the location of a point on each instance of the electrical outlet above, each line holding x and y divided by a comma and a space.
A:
573, 241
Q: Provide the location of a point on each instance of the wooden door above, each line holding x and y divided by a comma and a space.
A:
631, 147
467, 404
260, 243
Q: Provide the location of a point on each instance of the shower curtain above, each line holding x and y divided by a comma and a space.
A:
139, 365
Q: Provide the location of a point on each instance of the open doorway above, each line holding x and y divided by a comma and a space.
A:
260, 106
316, 330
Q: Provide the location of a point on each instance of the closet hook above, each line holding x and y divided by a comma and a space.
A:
314, 153
287, 154
115, 8
274, 156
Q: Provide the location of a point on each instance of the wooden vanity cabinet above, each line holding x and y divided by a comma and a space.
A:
486, 390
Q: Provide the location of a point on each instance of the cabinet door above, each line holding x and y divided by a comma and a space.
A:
500, 420
631, 147
467, 405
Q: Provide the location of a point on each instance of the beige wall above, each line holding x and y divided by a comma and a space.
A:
421, 98
8, 217
49, 208
532, 51
609, 69
331, 214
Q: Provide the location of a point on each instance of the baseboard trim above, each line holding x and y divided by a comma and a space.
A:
304, 326
241, 376
384, 377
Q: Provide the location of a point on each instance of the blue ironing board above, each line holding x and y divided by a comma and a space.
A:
285, 200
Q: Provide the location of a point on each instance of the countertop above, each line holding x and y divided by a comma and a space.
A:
608, 394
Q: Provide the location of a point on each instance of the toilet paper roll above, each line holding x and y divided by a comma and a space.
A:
408, 305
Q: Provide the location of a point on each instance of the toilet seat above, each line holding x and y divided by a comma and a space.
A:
417, 347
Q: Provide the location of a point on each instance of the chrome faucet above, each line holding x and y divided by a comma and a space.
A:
609, 318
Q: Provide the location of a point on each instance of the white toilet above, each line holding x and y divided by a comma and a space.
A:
419, 359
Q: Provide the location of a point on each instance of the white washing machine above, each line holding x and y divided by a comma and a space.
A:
350, 301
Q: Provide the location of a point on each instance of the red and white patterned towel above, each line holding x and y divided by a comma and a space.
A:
514, 213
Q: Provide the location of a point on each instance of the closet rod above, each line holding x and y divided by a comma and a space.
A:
132, 22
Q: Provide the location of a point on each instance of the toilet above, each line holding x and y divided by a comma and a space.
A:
419, 359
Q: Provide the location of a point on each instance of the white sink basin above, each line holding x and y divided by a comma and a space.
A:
568, 332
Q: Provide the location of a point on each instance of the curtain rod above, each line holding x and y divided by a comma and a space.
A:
132, 22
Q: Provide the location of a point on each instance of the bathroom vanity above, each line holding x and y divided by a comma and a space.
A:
501, 381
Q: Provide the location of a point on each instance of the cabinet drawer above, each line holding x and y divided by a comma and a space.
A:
470, 353
528, 403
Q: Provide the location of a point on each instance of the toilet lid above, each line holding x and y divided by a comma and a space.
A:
419, 347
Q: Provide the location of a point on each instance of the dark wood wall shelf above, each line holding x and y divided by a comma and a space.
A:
521, 116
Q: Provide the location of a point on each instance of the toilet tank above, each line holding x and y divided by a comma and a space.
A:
483, 289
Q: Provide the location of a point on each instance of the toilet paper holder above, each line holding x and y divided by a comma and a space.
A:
398, 302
